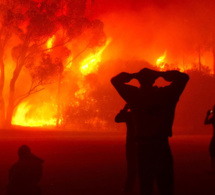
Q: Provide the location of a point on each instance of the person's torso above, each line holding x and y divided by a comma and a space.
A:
154, 113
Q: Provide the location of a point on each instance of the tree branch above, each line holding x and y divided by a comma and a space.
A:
57, 45
78, 55
25, 96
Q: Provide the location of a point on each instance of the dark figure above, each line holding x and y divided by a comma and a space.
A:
131, 155
25, 174
210, 119
153, 109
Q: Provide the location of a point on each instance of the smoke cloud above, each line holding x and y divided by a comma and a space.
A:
146, 29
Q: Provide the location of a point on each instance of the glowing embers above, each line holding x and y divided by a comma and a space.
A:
90, 64
35, 115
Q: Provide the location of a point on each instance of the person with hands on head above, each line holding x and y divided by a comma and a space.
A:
125, 116
210, 119
153, 109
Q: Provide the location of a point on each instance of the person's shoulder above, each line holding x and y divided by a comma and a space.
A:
17, 165
14, 165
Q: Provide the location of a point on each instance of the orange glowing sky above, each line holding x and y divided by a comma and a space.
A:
136, 31
144, 30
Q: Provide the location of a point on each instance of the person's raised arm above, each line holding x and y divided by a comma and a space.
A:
122, 115
126, 91
207, 120
178, 79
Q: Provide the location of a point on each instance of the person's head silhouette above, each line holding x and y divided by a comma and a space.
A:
24, 152
146, 77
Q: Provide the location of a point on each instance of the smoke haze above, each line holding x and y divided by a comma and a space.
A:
146, 29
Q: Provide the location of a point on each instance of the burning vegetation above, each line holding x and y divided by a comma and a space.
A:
57, 57
49, 42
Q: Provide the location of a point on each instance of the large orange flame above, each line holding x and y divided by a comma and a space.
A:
41, 116
90, 64
45, 114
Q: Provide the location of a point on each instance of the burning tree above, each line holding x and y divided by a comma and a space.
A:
44, 38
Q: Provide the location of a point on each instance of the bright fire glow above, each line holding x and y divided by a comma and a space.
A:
45, 115
160, 61
50, 42
41, 116
80, 93
181, 69
90, 64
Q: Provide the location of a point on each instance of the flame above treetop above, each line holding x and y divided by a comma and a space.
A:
90, 63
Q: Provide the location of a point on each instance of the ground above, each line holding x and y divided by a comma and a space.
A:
80, 163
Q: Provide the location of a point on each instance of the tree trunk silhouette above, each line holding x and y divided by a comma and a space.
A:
58, 100
16, 73
214, 60
10, 107
2, 103
4, 38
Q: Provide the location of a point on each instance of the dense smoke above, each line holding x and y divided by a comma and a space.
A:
146, 29
135, 32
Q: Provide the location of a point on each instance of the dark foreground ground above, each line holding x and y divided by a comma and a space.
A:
94, 164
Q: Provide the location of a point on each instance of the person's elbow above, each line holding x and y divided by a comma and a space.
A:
114, 81
119, 118
206, 122
184, 77
117, 121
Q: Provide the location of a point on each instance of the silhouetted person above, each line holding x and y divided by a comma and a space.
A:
131, 149
25, 174
210, 119
153, 109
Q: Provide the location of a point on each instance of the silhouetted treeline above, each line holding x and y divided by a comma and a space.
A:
103, 103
